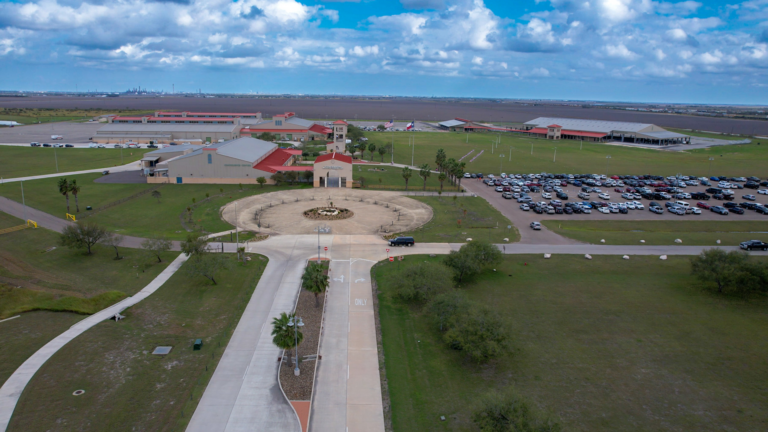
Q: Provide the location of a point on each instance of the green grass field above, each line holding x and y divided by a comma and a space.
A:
479, 220
49, 115
142, 216
572, 156
606, 345
31, 161
661, 232
126, 387
392, 179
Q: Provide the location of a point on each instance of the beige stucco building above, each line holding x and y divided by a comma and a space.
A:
333, 170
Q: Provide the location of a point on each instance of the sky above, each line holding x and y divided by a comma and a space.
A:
609, 50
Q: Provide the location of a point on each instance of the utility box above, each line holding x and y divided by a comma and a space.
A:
89, 208
198, 345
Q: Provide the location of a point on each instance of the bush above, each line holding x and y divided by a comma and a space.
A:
509, 412
472, 258
469, 327
422, 282
729, 272
315, 153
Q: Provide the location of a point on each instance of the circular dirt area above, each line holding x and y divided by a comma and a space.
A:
371, 212
328, 213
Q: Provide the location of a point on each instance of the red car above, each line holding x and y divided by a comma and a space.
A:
630, 190
618, 190
615, 177
703, 205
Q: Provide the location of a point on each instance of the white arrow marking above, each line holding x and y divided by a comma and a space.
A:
359, 280
339, 279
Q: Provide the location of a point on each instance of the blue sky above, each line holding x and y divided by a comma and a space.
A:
617, 50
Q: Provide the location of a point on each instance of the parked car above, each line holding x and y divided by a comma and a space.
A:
402, 241
604, 196
507, 195
655, 209
69, 145
753, 244
35, 144
703, 205
737, 210
719, 210
524, 207
535, 226
749, 197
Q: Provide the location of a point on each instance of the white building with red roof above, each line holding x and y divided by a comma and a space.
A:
333, 170
288, 127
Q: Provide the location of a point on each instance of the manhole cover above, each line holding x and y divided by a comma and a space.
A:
162, 350
78, 392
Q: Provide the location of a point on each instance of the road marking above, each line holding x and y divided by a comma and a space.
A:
361, 302
246, 371
359, 280
339, 279
8, 319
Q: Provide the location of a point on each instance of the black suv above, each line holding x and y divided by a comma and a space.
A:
700, 196
402, 241
753, 244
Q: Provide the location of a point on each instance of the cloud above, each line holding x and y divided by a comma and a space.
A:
477, 60
253, 12
619, 51
423, 4
358, 51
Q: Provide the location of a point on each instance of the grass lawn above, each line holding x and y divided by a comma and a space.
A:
142, 216
126, 387
747, 159
661, 232
481, 221
60, 279
392, 179
48, 115
606, 345
30, 161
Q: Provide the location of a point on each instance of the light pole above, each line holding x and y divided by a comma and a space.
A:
23, 203
501, 159
121, 154
531, 148
554, 158
510, 153
607, 160
710, 166
413, 149
56, 158
296, 325
237, 232
318, 244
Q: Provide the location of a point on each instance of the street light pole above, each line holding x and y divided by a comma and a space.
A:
531, 148
413, 149
296, 324
710, 166
554, 159
23, 203
607, 160
237, 232
56, 158
318, 243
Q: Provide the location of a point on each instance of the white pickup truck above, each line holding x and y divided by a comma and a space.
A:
57, 137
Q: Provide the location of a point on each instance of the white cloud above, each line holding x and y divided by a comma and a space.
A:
619, 51
477, 60
217, 38
359, 51
540, 72
659, 54
677, 34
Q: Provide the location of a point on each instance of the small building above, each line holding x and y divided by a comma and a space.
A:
290, 128
333, 170
464, 125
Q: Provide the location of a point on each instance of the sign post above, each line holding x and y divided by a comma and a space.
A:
326, 249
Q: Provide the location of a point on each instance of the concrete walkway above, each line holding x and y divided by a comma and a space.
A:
11, 390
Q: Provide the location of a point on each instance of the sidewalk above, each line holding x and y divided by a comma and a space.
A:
14, 386
133, 166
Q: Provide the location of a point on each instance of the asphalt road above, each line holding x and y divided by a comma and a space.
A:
72, 133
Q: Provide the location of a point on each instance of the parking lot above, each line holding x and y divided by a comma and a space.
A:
71, 132
522, 219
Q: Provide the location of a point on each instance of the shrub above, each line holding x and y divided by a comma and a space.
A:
729, 272
315, 153
423, 282
507, 412
479, 332
472, 258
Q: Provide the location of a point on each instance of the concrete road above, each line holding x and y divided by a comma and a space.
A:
72, 133
133, 166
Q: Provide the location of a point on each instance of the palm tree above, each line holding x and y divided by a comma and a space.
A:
371, 148
283, 335
440, 159
382, 152
407, 176
75, 189
64, 190
314, 280
424, 173
156, 194
460, 172
441, 178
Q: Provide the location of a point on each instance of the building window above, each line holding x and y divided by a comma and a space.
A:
210, 158
278, 122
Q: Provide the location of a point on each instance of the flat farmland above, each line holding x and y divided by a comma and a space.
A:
532, 155
351, 108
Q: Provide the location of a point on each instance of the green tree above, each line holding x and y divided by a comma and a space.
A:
478, 332
354, 133
729, 272
266, 136
444, 307
308, 176
156, 245
382, 152
407, 173
74, 189
156, 195
82, 235
291, 176
261, 181
422, 282
207, 265
472, 258
441, 178
63, 186
315, 280
113, 240
194, 245
381, 127
440, 159
507, 411
278, 178
424, 173
371, 148
283, 335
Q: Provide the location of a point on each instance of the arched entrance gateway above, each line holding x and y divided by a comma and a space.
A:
333, 170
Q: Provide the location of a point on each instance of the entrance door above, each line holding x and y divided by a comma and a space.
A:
332, 182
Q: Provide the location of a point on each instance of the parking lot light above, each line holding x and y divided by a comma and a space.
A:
607, 160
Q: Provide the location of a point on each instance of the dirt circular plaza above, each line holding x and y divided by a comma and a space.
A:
375, 212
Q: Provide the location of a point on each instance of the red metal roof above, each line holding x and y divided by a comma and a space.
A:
293, 168
461, 119
340, 122
274, 161
296, 152
334, 156
152, 118
248, 130
320, 129
544, 131
554, 126
286, 115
